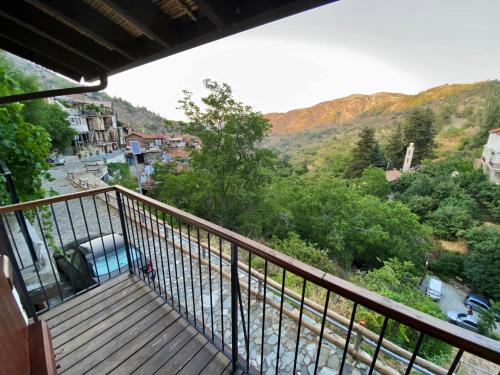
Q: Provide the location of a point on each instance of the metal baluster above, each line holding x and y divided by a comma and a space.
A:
57, 228
100, 234
263, 317
348, 337
48, 253
125, 231
183, 271
88, 236
300, 325
153, 241
168, 258
138, 260
191, 272
175, 264
325, 313
14, 242
147, 239
201, 281
161, 255
379, 343
415, 353
138, 243
234, 306
221, 294
248, 307
281, 319
112, 232
455, 362
141, 240
210, 286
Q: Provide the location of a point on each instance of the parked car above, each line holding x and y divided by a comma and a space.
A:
87, 262
480, 304
56, 160
463, 320
435, 289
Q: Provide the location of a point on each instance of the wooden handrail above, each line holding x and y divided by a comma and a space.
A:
469, 341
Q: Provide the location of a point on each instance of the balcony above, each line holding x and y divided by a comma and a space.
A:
182, 295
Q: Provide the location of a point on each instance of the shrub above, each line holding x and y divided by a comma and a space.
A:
449, 264
450, 221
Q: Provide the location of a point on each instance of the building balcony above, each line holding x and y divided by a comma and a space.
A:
144, 287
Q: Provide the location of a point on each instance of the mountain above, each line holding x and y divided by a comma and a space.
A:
140, 118
311, 134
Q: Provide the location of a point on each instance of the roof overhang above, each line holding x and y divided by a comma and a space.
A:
96, 38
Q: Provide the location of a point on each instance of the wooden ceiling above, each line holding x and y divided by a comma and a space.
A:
94, 38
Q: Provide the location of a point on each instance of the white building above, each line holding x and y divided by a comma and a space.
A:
490, 160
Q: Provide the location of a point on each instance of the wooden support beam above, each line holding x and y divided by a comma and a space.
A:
37, 21
221, 13
148, 17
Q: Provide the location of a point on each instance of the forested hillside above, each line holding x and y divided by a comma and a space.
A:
140, 118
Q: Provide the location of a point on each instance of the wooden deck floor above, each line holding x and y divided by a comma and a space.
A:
122, 327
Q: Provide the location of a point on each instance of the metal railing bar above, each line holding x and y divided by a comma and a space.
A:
415, 353
147, 240
455, 362
221, 295
283, 281
154, 245
168, 259
201, 281
130, 228
377, 349
248, 309
48, 255
112, 232
263, 318
88, 235
348, 338
161, 258
102, 239
191, 272
320, 341
183, 273
299, 326
210, 287
142, 248
175, 264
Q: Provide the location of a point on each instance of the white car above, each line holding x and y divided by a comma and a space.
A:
435, 289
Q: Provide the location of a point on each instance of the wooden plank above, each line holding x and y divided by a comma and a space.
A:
108, 317
200, 360
120, 297
40, 349
184, 355
81, 306
110, 355
166, 348
216, 365
75, 352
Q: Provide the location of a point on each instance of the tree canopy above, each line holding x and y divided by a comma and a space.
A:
366, 153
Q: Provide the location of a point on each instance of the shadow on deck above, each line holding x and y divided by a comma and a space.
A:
123, 327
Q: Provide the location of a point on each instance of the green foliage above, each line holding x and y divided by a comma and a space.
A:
450, 220
396, 147
308, 253
366, 153
483, 261
373, 182
120, 175
23, 146
420, 130
487, 320
449, 264
399, 281
490, 119
226, 177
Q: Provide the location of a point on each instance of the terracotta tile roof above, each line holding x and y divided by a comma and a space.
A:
495, 131
392, 175
148, 136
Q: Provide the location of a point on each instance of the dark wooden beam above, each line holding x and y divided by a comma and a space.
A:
41, 23
94, 24
148, 17
45, 47
221, 13
42, 59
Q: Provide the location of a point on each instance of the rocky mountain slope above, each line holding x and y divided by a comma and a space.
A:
140, 118
310, 134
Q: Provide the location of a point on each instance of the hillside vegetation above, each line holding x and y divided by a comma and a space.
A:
311, 135
140, 118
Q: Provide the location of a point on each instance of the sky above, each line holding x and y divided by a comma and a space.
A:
347, 47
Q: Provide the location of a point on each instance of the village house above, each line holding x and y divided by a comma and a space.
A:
490, 159
146, 140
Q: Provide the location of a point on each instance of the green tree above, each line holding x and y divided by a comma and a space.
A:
366, 153
483, 260
23, 146
120, 175
450, 220
396, 148
489, 120
420, 130
373, 182
49, 116
399, 281
227, 174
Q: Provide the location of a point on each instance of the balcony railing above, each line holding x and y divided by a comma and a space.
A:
266, 311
